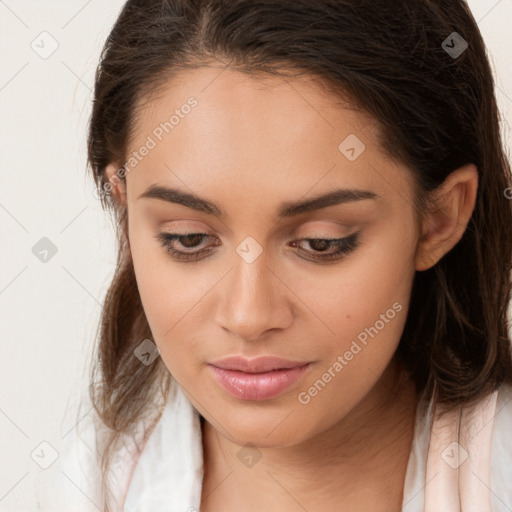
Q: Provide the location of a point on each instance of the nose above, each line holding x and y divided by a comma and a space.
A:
255, 300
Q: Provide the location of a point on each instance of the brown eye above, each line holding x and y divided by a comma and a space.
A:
188, 241
342, 246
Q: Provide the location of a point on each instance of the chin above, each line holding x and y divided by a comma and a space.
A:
263, 429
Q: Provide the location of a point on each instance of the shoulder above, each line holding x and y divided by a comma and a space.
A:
168, 474
463, 456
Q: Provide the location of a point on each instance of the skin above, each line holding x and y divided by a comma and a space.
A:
249, 145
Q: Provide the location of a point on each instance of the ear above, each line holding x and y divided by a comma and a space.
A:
117, 185
443, 227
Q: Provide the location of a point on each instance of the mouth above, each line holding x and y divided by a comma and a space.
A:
257, 386
262, 364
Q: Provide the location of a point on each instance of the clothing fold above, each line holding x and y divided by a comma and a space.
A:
460, 461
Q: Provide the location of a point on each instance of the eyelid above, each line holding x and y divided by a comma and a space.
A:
340, 230
346, 245
301, 232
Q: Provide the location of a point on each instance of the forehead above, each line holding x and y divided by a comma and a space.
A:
212, 126
262, 105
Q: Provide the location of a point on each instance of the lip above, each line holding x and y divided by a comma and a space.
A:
274, 377
257, 365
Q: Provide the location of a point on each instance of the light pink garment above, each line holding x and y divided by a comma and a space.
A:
459, 459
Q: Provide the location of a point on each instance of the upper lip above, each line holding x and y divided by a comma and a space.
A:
257, 365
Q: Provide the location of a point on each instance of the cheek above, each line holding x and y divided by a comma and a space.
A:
366, 311
375, 280
172, 297
160, 282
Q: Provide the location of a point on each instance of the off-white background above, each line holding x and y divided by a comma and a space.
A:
49, 311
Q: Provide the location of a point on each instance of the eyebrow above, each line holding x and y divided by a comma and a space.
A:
287, 209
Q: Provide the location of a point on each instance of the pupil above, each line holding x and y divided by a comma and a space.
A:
321, 245
186, 239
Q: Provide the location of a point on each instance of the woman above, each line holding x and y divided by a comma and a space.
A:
309, 307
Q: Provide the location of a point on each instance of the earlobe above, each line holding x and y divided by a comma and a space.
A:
445, 224
117, 186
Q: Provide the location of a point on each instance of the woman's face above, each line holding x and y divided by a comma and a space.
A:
254, 285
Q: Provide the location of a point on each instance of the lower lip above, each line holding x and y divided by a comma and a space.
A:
257, 386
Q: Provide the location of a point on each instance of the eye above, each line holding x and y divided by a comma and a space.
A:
343, 246
188, 240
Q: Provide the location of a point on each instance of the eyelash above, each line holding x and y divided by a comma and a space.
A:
345, 246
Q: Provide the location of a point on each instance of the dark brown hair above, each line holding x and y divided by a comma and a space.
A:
436, 111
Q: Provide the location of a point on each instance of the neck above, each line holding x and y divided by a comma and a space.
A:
357, 464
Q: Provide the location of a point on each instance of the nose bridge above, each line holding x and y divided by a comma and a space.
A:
252, 300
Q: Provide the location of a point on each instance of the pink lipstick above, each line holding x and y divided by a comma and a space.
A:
257, 379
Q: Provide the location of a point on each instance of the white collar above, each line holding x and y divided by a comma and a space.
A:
169, 472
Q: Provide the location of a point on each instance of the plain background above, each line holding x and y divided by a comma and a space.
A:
50, 311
